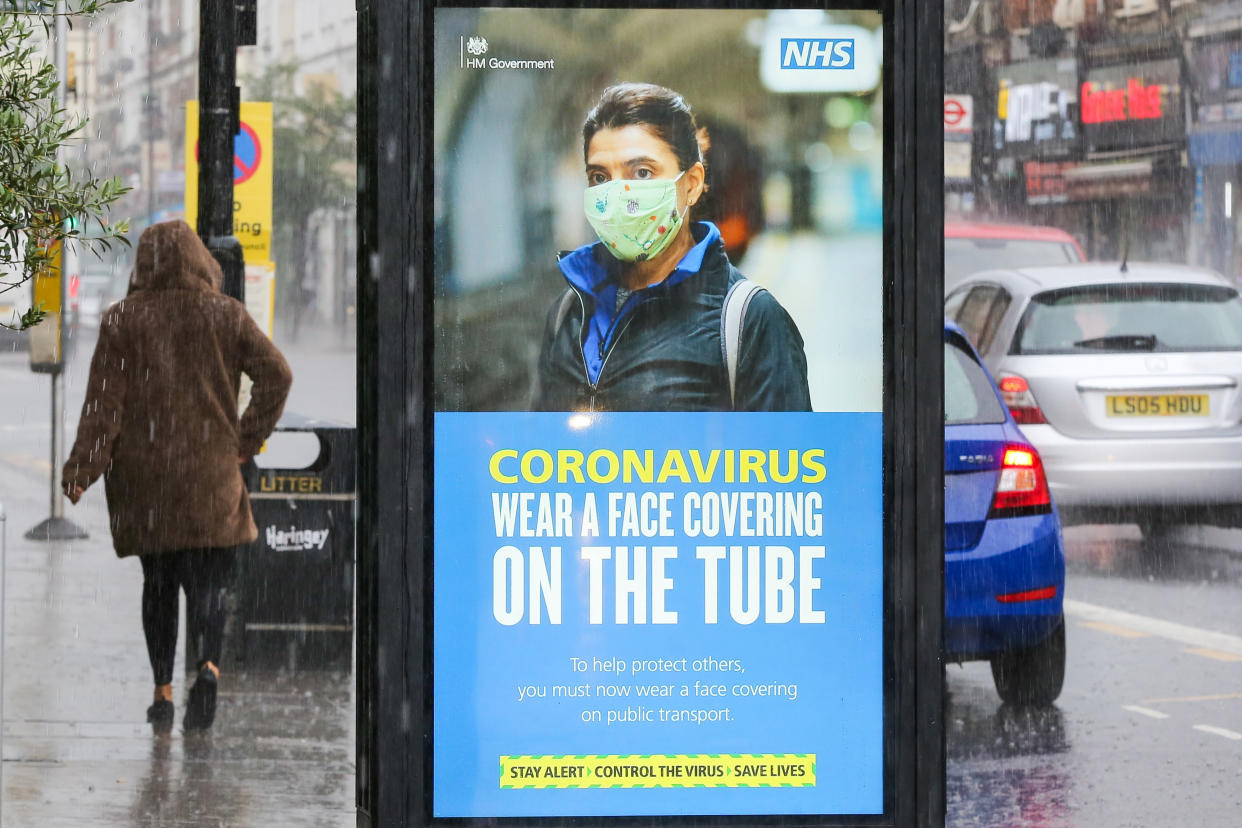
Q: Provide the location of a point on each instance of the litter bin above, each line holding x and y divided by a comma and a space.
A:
293, 599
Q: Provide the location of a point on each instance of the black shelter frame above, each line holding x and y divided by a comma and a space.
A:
395, 340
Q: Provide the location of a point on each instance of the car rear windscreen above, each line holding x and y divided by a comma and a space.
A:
1124, 318
968, 395
963, 256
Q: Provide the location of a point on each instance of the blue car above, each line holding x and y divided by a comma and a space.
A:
1004, 560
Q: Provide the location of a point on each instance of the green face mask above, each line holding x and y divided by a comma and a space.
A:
634, 218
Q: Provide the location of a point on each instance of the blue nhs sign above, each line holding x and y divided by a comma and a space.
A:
817, 53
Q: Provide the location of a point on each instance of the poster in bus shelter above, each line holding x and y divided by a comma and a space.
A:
658, 517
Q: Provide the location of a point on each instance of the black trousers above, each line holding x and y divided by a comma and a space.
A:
205, 575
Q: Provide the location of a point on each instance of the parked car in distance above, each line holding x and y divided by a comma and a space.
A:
101, 285
972, 246
1004, 559
1127, 380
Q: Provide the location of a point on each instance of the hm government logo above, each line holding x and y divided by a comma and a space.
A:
474, 48
817, 53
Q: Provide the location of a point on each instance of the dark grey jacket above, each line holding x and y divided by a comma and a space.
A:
669, 355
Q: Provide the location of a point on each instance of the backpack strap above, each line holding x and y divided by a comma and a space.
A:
732, 318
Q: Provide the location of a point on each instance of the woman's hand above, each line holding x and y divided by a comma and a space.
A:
73, 491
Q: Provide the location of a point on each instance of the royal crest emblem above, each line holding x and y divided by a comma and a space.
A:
476, 45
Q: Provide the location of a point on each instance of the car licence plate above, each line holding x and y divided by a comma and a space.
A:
1156, 405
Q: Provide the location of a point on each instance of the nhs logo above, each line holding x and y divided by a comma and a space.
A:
851, 54
817, 53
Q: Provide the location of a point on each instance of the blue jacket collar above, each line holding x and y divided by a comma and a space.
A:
590, 267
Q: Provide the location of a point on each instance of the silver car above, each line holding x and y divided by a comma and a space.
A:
1126, 378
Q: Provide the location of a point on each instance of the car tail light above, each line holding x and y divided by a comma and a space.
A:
1021, 487
73, 286
1016, 393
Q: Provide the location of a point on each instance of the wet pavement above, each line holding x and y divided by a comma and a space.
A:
77, 749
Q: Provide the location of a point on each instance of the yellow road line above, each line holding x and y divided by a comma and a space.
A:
1218, 697
1216, 654
1103, 626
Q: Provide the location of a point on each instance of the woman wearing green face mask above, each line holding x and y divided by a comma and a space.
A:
639, 326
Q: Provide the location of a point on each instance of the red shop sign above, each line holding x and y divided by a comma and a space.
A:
1133, 103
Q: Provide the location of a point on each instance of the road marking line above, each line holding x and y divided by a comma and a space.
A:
1194, 636
1219, 731
1216, 654
1218, 697
1145, 711
1124, 632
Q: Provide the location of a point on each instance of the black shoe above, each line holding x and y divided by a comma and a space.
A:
160, 715
200, 710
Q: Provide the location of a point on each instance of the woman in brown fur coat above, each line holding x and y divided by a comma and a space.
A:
160, 423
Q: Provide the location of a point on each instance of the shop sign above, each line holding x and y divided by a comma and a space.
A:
1132, 105
1093, 182
1045, 181
1135, 102
1036, 108
957, 158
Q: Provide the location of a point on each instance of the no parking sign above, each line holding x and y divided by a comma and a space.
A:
252, 177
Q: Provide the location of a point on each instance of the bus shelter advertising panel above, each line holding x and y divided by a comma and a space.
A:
658, 517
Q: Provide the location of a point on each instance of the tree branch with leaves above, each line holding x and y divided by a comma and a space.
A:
41, 201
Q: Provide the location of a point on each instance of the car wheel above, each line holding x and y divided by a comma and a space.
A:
1032, 676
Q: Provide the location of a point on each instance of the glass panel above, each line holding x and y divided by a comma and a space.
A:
1109, 132
92, 733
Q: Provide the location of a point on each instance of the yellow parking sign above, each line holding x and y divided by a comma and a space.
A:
252, 177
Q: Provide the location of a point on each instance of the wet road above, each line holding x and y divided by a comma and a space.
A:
1148, 730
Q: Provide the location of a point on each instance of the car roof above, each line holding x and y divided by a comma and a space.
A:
955, 229
1037, 279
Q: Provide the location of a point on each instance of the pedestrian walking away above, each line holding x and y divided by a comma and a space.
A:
160, 424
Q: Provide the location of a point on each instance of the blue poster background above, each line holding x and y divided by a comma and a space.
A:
479, 663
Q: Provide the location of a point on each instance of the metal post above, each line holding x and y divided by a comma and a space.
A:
58, 378
148, 119
218, 122
57, 527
